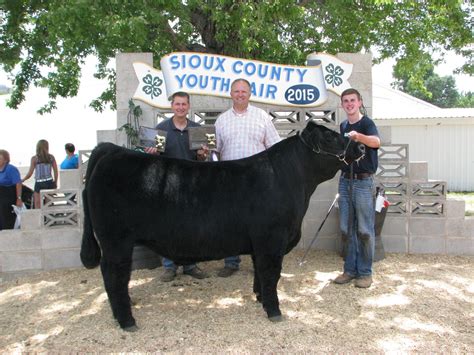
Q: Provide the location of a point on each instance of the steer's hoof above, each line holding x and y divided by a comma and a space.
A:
276, 319
131, 329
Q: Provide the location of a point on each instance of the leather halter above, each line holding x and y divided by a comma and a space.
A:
319, 150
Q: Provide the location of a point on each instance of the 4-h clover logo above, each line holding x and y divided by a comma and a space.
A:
152, 86
334, 76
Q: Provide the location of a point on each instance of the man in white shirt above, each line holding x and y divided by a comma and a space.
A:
242, 131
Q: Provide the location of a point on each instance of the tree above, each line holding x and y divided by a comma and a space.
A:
440, 91
466, 100
48, 40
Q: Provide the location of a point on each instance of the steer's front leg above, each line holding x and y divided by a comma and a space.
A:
269, 268
116, 277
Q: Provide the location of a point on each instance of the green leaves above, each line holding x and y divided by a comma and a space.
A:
44, 42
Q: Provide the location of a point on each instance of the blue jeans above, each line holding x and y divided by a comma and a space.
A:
169, 264
359, 242
232, 262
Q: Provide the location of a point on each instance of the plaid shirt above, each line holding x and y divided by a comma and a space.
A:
242, 135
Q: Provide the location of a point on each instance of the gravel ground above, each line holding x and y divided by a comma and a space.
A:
418, 303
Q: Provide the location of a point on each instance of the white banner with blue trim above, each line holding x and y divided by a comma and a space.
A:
210, 74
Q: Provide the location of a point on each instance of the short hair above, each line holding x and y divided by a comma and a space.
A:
351, 91
242, 80
5, 155
179, 94
70, 147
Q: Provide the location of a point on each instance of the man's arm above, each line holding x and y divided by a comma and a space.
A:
369, 141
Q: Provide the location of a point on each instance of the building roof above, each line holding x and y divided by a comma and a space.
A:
391, 104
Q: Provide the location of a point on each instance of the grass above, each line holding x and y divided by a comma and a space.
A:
468, 197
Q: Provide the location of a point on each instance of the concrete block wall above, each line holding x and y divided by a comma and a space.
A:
36, 247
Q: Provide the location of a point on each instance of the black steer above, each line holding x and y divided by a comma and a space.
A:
193, 211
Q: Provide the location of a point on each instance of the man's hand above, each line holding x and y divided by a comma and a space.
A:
203, 153
151, 150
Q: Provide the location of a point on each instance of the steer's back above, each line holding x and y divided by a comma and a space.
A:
188, 210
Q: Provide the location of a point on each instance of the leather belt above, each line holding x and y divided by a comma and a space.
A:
357, 176
44, 180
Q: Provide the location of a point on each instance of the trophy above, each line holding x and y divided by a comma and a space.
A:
151, 137
160, 142
203, 136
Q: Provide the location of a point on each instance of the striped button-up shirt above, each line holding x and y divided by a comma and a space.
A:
242, 135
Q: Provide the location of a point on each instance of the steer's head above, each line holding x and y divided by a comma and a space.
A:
325, 141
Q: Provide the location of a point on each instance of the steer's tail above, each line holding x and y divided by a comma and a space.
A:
90, 250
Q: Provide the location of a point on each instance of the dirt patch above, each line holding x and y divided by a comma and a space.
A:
418, 303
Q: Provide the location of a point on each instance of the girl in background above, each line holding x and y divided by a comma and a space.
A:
44, 165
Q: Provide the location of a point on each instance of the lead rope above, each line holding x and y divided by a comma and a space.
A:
351, 209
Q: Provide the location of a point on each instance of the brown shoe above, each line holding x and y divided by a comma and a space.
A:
168, 275
343, 279
197, 273
226, 272
363, 281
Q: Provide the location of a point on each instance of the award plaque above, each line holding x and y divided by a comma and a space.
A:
151, 137
204, 135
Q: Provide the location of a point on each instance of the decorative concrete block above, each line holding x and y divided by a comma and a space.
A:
455, 227
318, 209
61, 258
362, 62
455, 208
324, 243
385, 134
327, 190
121, 138
107, 135
468, 227
460, 246
31, 220
127, 81
395, 225
147, 118
419, 170
122, 117
424, 245
427, 226
395, 243
329, 229
15, 240
69, 179
60, 238
200, 102
21, 260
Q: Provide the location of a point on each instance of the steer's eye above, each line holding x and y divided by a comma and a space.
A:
328, 136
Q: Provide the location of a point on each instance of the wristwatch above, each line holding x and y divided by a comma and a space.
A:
19, 198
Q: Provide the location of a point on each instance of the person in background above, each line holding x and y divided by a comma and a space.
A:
10, 191
72, 160
44, 166
357, 210
177, 146
242, 131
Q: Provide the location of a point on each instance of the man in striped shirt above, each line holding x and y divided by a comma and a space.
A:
242, 131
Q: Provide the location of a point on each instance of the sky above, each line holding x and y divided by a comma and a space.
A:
76, 123
73, 121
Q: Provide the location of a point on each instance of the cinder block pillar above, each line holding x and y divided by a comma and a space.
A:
126, 84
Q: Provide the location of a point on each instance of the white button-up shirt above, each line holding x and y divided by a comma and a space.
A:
242, 135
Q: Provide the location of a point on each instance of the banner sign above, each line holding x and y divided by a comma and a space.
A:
336, 72
210, 74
